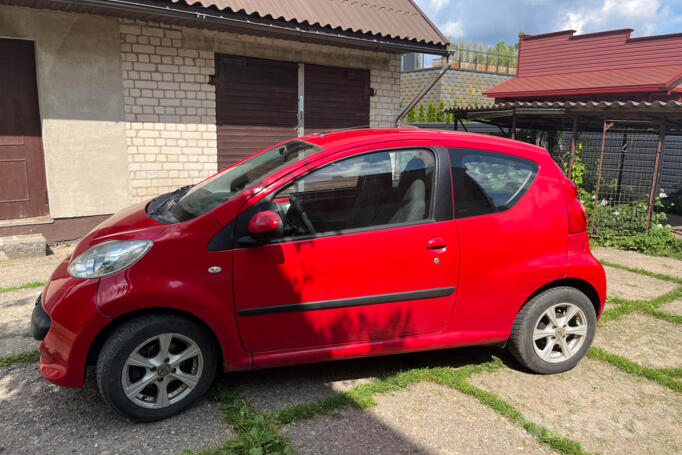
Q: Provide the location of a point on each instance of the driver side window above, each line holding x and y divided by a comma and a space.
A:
373, 189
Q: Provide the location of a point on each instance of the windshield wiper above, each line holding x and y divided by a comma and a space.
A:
170, 200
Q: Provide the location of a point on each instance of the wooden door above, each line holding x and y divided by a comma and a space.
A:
23, 191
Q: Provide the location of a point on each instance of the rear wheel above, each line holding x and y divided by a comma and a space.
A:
553, 331
155, 366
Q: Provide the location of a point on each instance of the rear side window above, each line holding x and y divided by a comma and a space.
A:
488, 182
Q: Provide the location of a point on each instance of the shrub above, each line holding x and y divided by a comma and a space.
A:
420, 116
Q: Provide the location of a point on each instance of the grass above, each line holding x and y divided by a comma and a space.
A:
31, 285
24, 357
660, 276
626, 306
661, 376
258, 433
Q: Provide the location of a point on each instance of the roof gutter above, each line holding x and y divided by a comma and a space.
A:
425, 90
198, 17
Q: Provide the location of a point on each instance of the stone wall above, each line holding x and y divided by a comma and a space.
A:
460, 88
170, 105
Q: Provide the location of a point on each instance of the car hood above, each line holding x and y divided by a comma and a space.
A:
128, 224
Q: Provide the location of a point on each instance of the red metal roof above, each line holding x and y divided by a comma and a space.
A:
561, 64
399, 19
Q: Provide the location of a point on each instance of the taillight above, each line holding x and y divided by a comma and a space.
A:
577, 213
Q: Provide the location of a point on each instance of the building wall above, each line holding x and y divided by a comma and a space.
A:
81, 107
456, 88
170, 105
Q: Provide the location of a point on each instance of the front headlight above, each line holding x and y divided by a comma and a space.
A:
108, 257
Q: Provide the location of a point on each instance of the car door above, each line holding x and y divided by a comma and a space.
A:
369, 251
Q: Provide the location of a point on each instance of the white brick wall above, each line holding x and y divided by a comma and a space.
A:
170, 107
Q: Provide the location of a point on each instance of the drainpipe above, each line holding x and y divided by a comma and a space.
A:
425, 90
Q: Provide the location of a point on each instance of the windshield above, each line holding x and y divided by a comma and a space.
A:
199, 199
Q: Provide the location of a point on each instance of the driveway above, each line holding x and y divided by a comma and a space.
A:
625, 398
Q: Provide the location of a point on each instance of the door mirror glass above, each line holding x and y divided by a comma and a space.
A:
265, 225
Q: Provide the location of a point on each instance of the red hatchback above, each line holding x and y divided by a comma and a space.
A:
330, 246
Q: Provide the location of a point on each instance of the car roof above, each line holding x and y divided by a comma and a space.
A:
358, 137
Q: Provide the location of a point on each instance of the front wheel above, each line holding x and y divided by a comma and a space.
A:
553, 331
154, 366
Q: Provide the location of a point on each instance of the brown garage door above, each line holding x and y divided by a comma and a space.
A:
256, 102
335, 98
23, 191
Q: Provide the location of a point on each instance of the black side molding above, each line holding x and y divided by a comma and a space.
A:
348, 302
40, 321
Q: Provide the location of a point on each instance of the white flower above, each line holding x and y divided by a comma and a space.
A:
662, 195
659, 225
604, 202
594, 197
668, 226
616, 213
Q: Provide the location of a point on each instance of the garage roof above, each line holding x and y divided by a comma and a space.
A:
391, 25
401, 19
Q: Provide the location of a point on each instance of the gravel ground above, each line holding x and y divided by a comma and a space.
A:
426, 419
17, 344
15, 311
637, 336
656, 264
604, 409
41, 418
673, 307
21, 271
634, 286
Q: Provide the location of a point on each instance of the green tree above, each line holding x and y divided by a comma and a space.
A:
440, 115
431, 113
420, 116
412, 115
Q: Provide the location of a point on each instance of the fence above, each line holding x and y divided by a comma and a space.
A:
471, 60
623, 187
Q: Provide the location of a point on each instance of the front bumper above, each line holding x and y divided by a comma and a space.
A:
68, 320
40, 320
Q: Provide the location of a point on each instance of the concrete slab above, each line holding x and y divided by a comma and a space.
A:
426, 419
38, 417
655, 264
15, 311
21, 271
599, 406
22, 246
647, 340
16, 344
635, 286
672, 307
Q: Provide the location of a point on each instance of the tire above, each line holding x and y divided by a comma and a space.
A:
133, 357
542, 344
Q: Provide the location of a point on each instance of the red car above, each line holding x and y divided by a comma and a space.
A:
330, 246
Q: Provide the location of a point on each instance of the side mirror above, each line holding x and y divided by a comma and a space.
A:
263, 226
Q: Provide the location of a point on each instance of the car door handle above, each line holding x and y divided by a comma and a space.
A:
436, 243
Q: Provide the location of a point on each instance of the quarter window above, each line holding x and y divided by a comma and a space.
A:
374, 189
487, 182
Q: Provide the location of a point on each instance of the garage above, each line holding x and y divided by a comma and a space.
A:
261, 102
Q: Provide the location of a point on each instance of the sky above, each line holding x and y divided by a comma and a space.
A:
489, 21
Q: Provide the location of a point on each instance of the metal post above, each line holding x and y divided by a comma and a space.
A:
621, 165
300, 128
571, 158
596, 190
513, 127
654, 179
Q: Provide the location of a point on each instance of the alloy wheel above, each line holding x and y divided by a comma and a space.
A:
162, 370
560, 332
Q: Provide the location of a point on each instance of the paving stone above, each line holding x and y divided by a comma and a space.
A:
634, 286
645, 339
275, 389
21, 271
426, 419
16, 344
672, 307
15, 311
604, 409
655, 264
39, 417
